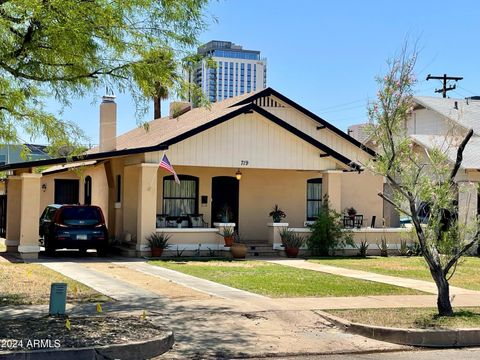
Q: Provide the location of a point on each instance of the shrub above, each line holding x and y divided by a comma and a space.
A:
362, 250
294, 240
404, 250
327, 234
383, 246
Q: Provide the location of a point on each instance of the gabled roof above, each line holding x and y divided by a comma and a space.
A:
165, 131
466, 115
449, 146
269, 91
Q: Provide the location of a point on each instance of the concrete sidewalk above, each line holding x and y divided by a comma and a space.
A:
421, 285
192, 282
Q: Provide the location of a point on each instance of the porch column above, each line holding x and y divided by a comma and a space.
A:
14, 191
467, 202
23, 212
332, 183
147, 205
29, 215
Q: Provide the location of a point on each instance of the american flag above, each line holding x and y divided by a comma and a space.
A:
164, 163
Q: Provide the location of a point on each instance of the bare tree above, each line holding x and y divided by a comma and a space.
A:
420, 176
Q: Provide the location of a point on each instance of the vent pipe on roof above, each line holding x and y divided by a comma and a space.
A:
108, 124
456, 105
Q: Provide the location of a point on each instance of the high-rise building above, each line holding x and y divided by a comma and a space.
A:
238, 71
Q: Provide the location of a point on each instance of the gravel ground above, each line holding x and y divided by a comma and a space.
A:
84, 331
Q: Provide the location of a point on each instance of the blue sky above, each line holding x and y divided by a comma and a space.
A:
325, 54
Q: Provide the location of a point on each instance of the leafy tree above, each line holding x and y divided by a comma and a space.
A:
420, 176
68, 48
327, 233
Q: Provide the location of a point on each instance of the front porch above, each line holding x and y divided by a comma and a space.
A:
204, 193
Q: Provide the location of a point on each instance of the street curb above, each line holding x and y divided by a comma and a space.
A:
449, 338
137, 350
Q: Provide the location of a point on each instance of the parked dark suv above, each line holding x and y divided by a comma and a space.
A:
73, 227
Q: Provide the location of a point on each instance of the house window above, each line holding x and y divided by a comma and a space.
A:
314, 198
180, 199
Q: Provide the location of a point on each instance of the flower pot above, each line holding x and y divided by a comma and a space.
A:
239, 251
157, 252
291, 251
228, 240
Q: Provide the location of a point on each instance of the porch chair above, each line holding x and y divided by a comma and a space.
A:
196, 221
358, 221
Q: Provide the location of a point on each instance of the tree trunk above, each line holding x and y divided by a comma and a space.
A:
443, 300
157, 109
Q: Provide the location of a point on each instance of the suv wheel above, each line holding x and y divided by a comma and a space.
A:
49, 248
102, 252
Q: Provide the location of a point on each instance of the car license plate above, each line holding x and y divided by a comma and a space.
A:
81, 237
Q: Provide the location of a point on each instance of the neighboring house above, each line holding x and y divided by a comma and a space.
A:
443, 123
238, 71
12, 153
283, 153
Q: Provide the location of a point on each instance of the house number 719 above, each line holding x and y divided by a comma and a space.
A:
244, 162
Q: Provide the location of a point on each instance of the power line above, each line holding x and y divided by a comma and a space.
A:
461, 87
340, 105
344, 109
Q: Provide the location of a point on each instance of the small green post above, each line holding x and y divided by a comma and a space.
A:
58, 299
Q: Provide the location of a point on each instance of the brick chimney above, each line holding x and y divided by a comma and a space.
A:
108, 124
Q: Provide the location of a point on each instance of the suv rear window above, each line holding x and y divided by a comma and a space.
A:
80, 216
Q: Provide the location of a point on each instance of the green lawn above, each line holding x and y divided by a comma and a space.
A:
416, 318
467, 274
280, 281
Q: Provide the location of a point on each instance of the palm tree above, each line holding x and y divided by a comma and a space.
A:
162, 94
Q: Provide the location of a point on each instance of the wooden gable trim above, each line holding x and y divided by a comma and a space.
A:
269, 91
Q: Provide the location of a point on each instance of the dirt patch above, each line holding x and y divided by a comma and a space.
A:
52, 332
151, 283
29, 284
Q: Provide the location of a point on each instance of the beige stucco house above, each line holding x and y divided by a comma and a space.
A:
282, 153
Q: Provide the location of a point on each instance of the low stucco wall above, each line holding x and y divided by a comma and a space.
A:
193, 239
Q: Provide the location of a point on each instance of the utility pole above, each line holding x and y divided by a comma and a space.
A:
444, 79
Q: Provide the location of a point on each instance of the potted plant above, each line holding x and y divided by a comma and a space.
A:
277, 214
351, 211
157, 243
293, 242
179, 222
238, 248
228, 233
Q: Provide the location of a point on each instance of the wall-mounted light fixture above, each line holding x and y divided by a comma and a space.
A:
44, 187
238, 174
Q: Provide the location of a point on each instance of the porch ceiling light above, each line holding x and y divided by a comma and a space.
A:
238, 174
